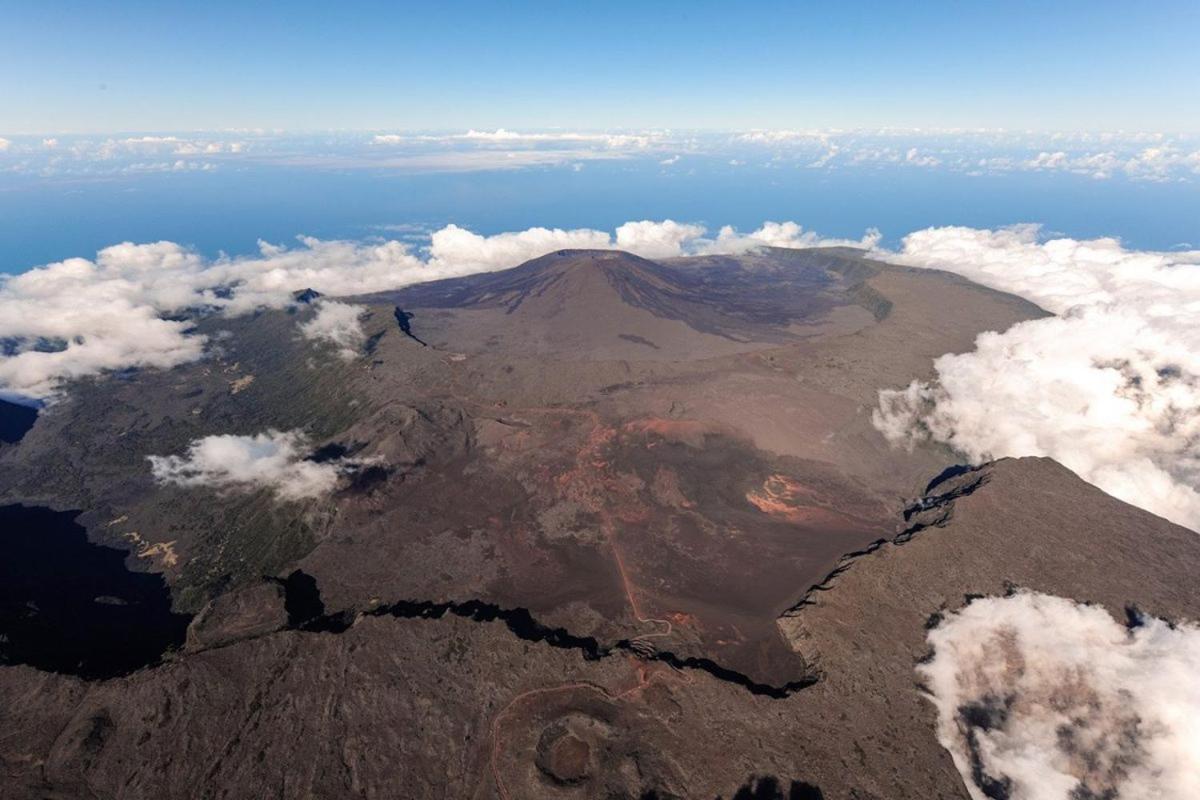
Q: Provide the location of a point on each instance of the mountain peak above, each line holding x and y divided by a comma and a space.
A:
613, 261
611, 304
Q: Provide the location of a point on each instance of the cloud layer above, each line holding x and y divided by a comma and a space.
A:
273, 460
1141, 156
82, 317
1110, 387
1042, 698
120, 310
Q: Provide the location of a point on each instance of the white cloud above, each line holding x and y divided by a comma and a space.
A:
1055, 700
5, 144
331, 267
80, 317
338, 324
1044, 160
457, 251
781, 234
1137, 155
831, 152
1097, 165
1110, 387
155, 145
500, 135
875, 155
914, 157
783, 136
272, 460
651, 239
1162, 162
505, 137
481, 159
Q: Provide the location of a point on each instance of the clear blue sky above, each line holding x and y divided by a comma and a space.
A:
142, 66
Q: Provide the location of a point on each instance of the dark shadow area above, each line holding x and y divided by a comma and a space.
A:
368, 479
68, 605
329, 452
304, 607
769, 788
15, 421
306, 612
952, 471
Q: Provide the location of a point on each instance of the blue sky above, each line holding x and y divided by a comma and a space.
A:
139, 66
216, 124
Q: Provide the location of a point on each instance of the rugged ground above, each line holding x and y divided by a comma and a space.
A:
601, 551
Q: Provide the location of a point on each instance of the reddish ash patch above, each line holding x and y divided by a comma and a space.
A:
788, 499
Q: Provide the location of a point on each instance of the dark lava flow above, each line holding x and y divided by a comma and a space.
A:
769, 788
403, 320
302, 598
15, 421
68, 605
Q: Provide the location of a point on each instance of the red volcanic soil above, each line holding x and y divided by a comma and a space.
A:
708, 539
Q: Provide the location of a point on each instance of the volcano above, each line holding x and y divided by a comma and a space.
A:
600, 304
600, 526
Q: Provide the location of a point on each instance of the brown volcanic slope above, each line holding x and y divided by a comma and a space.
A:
580, 564
600, 305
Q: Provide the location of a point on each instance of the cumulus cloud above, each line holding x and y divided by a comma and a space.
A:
174, 145
79, 317
1163, 162
1042, 698
82, 317
455, 250
338, 324
502, 136
664, 239
783, 136
1135, 155
826, 158
505, 137
1110, 387
781, 234
134, 304
916, 158
274, 460
5, 144
1097, 165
